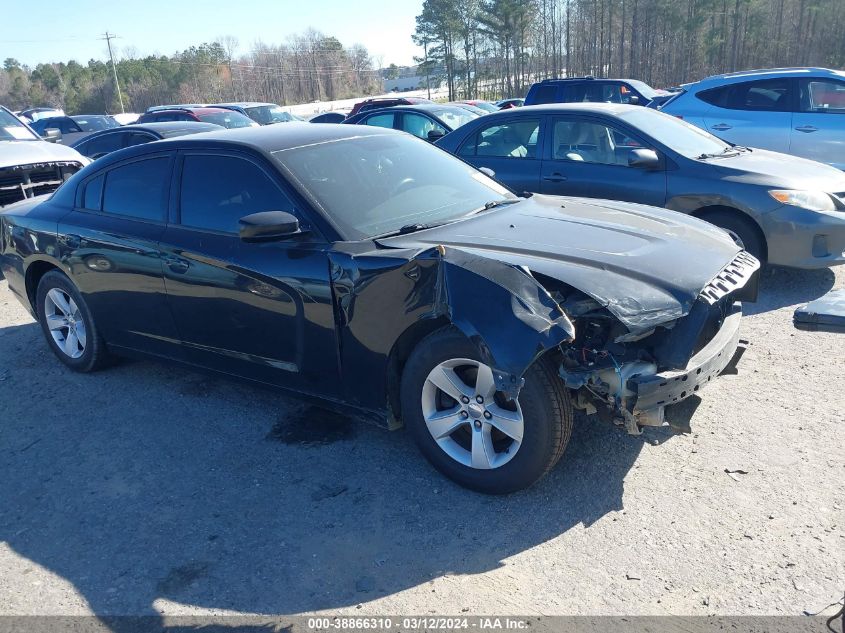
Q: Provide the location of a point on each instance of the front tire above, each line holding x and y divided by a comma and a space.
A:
470, 431
68, 325
741, 226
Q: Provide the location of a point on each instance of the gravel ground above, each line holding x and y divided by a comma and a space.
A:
149, 489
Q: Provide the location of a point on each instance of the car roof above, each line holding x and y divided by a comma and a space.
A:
586, 107
166, 127
264, 139
245, 104
587, 78
745, 75
196, 110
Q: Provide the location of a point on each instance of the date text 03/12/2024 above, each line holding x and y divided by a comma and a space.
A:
416, 623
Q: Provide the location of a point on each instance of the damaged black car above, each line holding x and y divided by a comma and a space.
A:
372, 272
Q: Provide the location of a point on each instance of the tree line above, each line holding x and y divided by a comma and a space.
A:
308, 67
496, 48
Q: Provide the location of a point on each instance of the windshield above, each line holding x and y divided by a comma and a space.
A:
229, 119
674, 133
454, 117
643, 88
95, 123
372, 185
11, 128
266, 115
484, 105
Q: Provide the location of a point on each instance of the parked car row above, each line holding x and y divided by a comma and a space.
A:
785, 210
473, 276
372, 271
795, 111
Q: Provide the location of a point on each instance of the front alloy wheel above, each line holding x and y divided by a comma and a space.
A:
472, 423
473, 433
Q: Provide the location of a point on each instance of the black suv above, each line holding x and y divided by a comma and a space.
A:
577, 89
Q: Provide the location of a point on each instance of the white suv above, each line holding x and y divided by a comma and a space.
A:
30, 166
798, 111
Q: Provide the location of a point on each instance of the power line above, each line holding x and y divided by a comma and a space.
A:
108, 37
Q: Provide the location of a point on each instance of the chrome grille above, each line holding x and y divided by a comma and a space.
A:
732, 277
27, 181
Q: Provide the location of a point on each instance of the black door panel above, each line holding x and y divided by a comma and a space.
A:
230, 316
239, 321
116, 264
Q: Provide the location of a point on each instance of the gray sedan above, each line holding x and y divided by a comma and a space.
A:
786, 210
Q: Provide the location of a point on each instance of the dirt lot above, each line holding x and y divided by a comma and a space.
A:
150, 489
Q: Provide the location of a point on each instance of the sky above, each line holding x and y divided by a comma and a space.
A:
166, 26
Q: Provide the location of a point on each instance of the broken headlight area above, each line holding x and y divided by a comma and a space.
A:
630, 377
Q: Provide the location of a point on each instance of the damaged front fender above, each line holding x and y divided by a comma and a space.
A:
502, 309
382, 294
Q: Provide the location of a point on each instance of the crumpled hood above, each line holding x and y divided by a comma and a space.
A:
646, 265
780, 171
27, 152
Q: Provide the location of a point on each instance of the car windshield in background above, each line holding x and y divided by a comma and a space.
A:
95, 123
227, 119
454, 117
488, 107
11, 128
643, 88
674, 133
373, 185
271, 114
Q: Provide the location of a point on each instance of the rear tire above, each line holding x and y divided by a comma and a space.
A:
68, 325
741, 226
491, 445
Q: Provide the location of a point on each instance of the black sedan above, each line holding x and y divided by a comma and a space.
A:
428, 121
101, 143
373, 272
73, 128
786, 210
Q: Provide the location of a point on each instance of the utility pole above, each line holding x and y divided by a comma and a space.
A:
108, 37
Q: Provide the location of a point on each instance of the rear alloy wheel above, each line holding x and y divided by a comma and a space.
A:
68, 325
65, 323
474, 433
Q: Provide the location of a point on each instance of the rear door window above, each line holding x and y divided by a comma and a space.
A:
105, 144
419, 125
773, 95
138, 189
514, 139
545, 93
380, 120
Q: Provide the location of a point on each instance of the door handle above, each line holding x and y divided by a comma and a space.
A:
721, 127
177, 264
555, 177
807, 128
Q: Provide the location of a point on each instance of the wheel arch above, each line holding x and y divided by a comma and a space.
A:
703, 213
35, 272
401, 352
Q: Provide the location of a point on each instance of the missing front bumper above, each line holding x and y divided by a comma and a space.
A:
657, 391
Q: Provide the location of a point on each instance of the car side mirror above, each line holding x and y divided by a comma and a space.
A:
268, 226
643, 159
433, 135
634, 100
487, 171
52, 135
